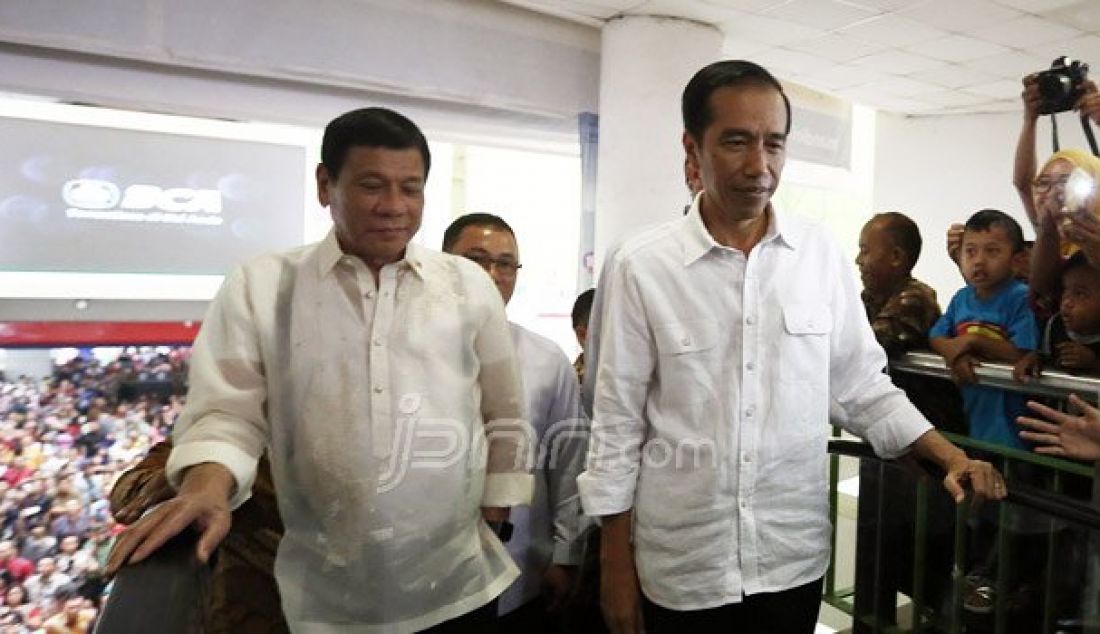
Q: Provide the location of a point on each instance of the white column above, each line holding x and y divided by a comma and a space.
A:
645, 64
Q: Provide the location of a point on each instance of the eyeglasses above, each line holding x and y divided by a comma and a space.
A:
507, 266
1043, 185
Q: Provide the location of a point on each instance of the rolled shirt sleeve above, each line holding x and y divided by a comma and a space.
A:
624, 366
224, 420
873, 408
511, 440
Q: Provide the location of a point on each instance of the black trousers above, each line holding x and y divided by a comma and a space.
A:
791, 611
479, 621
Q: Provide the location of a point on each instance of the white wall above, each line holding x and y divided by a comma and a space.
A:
939, 170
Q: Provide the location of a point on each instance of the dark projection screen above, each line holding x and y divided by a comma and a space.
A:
76, 198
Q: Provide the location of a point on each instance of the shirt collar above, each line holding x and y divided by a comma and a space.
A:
329, 254
697, 241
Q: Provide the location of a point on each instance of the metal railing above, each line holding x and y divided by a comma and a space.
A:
1050, 502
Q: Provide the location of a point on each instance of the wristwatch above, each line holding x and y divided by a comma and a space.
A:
502, 529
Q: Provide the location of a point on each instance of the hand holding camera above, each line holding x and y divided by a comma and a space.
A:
1061, 86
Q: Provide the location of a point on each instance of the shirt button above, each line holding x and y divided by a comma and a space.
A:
749, 411
686, 341
378, 389
377, 341
744, 504
746, 457
750, 366
750, 320
369, 294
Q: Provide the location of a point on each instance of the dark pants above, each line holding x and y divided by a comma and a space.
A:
530, 618
791, 611
480, 621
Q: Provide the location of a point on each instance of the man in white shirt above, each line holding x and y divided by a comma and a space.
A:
545, 541
380, 377
722, 340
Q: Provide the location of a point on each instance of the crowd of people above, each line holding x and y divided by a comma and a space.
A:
1034, 306
735, 332
64, 439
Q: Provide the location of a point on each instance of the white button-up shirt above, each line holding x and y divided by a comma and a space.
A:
373, 402
548, 531
714, 377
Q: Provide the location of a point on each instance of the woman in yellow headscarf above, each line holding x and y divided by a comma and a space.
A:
1065, 191
1065, 206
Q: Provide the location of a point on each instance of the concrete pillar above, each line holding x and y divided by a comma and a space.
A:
645, 63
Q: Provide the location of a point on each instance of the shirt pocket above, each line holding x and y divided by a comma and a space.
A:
800, 402
804, 342
687, 353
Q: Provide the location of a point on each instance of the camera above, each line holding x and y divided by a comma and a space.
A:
1060, 86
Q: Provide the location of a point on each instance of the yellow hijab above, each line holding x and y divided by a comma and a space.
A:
1090, 165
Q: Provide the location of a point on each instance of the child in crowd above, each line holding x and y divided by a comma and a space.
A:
1071, 338
989, 319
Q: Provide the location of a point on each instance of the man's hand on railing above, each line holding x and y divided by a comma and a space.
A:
202, 502
961, 472
1069, 435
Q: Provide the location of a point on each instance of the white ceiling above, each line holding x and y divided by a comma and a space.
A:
917, 57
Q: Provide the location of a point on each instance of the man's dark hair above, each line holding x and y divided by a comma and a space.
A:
695, 103
370, 127
450, 236
582, 307
986, 219
904, 233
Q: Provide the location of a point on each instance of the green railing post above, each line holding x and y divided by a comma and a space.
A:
920, 550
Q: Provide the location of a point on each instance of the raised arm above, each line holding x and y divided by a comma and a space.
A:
1025, 165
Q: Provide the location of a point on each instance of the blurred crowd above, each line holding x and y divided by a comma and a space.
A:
63, 442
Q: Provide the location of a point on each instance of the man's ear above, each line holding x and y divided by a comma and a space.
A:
323, 181
690, 149
898, 258
582, 334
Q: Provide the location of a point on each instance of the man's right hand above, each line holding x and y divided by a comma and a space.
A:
620, 596
202, 502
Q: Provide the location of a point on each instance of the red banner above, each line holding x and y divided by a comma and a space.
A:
79, 334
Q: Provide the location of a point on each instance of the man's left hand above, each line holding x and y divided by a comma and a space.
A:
985, 481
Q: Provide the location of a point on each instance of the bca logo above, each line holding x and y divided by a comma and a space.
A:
89, 193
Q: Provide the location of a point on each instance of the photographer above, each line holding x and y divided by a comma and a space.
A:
1043, 193
1026, 165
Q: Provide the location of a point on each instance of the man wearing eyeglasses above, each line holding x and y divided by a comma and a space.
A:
544, 536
